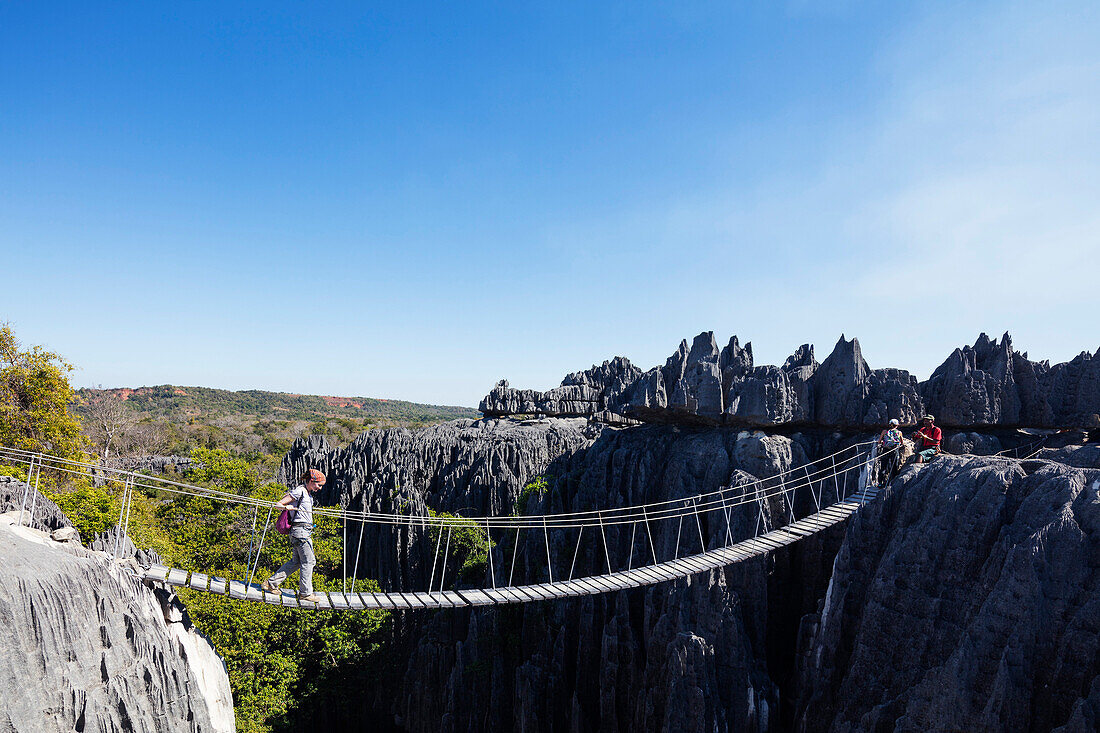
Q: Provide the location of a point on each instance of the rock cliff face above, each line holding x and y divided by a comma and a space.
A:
957, 603
581, 394
967, 599
985, 385
86, 647
690, 655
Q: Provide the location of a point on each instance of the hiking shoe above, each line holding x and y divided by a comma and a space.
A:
311, 598
269, 586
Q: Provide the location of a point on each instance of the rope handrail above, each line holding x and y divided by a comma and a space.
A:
666, 509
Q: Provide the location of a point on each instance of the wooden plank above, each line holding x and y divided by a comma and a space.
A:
450, 598
157, 573
475, 597
176, 577
237, 589
339, 601
601, 581
542, 590
199, 581
414, 600
498, 595
646, 577
396, 601
219, 585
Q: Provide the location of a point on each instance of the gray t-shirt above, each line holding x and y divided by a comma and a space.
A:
304, 501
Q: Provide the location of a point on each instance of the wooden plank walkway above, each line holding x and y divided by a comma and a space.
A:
646, 575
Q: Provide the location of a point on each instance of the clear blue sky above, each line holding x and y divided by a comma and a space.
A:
415, 200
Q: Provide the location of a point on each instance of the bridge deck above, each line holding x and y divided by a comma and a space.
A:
591, 585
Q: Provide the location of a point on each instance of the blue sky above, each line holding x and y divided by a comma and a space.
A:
415, 200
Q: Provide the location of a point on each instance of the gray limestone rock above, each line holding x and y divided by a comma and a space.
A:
581, 394
769, 395
967, 599
684, 656
1073, 391
38, 511
987, 384
85, 646
972, 444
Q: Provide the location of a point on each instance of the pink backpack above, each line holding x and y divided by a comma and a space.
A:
282, 524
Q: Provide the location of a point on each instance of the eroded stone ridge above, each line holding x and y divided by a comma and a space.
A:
988, 384
966, 599
87, 647
581, 394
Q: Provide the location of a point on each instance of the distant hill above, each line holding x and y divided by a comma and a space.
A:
172, 402
172, 419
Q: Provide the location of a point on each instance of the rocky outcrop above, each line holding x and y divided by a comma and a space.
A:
464, 466
984, 385
684, 656
38, 511
87, 647
700, 385
1072, 391
967, 599
987, 384
581, 394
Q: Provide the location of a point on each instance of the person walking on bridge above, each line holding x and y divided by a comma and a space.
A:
301, 536
928, 439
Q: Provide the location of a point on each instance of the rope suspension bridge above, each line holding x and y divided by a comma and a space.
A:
708, 534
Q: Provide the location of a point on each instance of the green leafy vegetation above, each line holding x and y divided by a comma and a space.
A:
35, 399
469, 544
538, 486
171, 419
276, 657
283, 663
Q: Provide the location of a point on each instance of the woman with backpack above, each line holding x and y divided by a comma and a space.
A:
889, 451
298, 504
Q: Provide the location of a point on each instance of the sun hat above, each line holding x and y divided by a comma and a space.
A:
894, 421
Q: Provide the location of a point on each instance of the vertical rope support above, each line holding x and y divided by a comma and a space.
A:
679, 528
810, 481
515, 551
27, 490
489, 553
260, 547
252, 537
787, 497
726, 512
443, 565
435, 558
699, 524
649, 535
34, 497
836, 484
630, 557
121, 513
358, 547
845, 490
549, 565
129, 506
603, 534
575, 551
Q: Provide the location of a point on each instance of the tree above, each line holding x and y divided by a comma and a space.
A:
35, 400
108, 422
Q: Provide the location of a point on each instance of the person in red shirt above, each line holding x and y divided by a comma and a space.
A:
928, 439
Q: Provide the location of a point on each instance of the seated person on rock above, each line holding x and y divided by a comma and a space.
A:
928, 439
890, 446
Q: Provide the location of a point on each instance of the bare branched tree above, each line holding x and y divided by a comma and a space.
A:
107, 421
